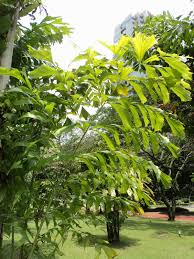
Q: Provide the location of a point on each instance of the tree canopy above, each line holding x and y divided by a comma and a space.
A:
174, 34
46, 104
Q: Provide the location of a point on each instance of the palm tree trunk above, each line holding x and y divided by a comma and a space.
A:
6, 57
113, 226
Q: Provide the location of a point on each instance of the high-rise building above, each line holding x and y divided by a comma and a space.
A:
127, 26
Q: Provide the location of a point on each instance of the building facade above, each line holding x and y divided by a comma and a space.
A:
127, 26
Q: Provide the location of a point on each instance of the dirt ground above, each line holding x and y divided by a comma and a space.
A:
159, 215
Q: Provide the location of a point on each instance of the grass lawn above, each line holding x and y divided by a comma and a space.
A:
142, 239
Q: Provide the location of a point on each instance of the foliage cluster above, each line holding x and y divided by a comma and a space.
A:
45, 104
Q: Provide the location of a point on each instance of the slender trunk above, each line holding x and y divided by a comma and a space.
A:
190, 193
1, 235
87, 209
171, 206
12, 241
113, 226
172, 210
6, 57
35, 241
21, 256
100, 211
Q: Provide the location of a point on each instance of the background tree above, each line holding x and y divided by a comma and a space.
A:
175, 36
180, 170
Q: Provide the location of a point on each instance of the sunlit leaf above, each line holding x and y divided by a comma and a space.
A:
164, 92
43, 71
142, 44
123, 90
139, 90
182, 93
12, 72
41, 53
176, 126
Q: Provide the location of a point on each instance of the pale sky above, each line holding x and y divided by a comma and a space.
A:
95, 20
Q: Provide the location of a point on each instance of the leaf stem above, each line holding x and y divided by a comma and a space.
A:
41, 225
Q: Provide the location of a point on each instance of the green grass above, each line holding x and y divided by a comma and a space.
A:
141, 239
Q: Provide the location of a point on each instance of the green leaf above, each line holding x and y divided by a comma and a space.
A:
165, 179
89, 55
112, 130
156, 170
159, 121
15, 90
154, 142
144, 114
158, 91
49, 107
123, 90
11, 72
43, 71
29, 8
151, 71
139, 90
112, 161
23, 101
149, 86
164, 92
84, 113
178, 65
110, 253
145, 138
123, 114
142, 44
136, 141
176, 126
118, 49
151, 59
152, 117
136, 117
185, 85
116, 137
172, 148
64, 129
182, 93
156, 118
36, 116
87, 160
102, 161
108, 141
124, 72
41, 53
16, 165
122, 158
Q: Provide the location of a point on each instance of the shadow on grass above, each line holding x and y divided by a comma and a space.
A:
159, 226
92, 240
126, 241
